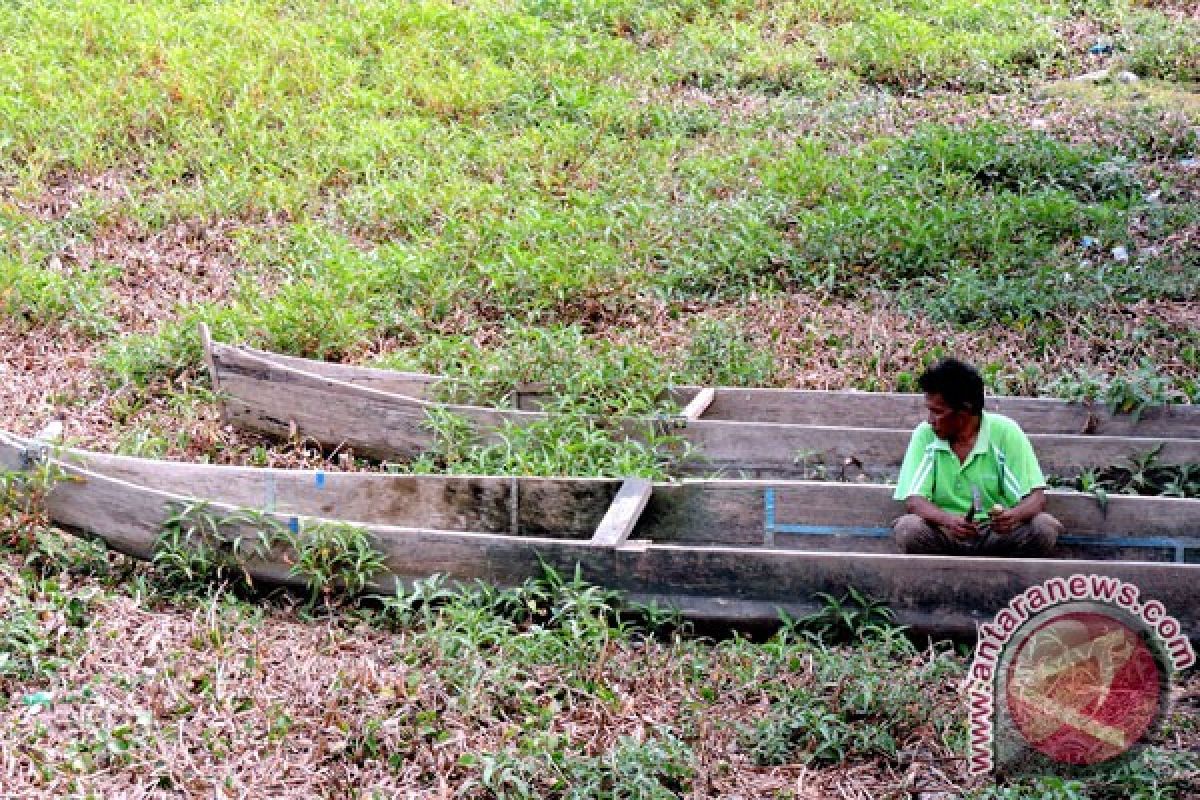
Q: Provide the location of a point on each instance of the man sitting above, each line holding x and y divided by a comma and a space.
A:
970, 481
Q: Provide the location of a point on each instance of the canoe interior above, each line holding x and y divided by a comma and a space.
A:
905, 410
569, 508
829, 516
811, 407
774, 450
368, 412
715, 550
790, 515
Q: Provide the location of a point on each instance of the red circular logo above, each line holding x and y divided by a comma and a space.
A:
1083, 687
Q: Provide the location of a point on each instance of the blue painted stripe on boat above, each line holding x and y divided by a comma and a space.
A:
769, 525
1122, 541
320, 479
834, 530
1129, 541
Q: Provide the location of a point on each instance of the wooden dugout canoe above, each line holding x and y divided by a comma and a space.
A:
729, 551
772, 433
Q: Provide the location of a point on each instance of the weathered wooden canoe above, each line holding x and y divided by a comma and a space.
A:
734, 551
746, 432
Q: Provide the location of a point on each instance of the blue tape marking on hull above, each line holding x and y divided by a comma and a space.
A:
769, 526
835, 530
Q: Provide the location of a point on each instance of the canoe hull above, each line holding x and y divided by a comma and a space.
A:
729, 578
362, 410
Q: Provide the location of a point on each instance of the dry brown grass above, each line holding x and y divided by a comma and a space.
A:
212, 704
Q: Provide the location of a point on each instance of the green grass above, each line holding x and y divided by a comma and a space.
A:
40, 289
493, 191
1157, 46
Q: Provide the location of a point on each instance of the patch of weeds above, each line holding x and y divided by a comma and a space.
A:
970, 225
333, 556
1144, 389
418, 604
114, 742
1177, 261
172, 422
567, 443
566, 370
997, 158
42, 296
321, 312
805, 727
23, 501
141, 359
1158, 46
1147, 773
658, 767
53, 551
1049, 787
716, 54
720, 354
848, 618
810, 733
41, 628
944, 43
1157, 130
831, 704
723, 247
658, 621
966, 296
547, 602
199, 546
1140, 474
1125, 393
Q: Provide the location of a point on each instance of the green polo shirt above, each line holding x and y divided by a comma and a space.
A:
1001, 464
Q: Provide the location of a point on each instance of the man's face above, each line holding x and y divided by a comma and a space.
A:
946, 422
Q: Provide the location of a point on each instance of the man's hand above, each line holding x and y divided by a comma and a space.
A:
952, 524
959, 528
1006, 521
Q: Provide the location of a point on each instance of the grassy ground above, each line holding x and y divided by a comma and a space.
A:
815, 193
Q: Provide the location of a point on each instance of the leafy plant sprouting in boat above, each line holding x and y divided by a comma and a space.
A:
198, 545
1140, 474
335, 555
23, 496
1130, 394
566, 443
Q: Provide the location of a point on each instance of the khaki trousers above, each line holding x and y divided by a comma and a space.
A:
1035, 538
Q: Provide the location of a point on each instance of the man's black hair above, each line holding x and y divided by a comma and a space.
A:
959, 384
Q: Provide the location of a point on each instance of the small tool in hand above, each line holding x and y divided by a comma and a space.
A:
976, 503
